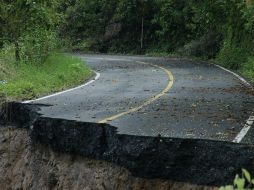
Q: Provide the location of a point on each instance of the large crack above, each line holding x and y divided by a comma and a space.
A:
197, 161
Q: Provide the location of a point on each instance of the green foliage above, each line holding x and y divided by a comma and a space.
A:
85, 21
205, 47
208, 16
19, 15
6, 56
239, 36
37, 44
25, 22
247, 69
231, 56
29, 80
248, 15
175, 21
169, 25
90, 21
245, 182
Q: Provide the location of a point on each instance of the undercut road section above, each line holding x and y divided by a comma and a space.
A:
166, 97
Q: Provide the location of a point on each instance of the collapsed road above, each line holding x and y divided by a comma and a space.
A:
159, 117
201, 101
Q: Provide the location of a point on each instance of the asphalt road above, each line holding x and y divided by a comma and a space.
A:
158, 97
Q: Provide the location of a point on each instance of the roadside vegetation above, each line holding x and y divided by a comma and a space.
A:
28, 81
31, 64
243, 182
247, 69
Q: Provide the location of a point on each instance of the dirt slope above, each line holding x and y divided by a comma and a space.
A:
27, 166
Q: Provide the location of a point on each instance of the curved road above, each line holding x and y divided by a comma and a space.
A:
158, 97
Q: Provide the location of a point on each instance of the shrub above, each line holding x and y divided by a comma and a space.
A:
86, 45
247, 69
37, 44
231, 56
245, 182
205, 47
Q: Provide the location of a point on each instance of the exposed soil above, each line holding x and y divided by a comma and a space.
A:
196, 161
27, 166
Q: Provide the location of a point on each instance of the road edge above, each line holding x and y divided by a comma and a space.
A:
62, 92
244, 81
240, 136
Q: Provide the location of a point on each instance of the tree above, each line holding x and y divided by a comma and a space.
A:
86, 22
175, 21
143, 9
166, 25
22, 16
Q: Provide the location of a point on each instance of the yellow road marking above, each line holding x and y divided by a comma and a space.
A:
149, 101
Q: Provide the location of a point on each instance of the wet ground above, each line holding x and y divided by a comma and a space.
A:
205, 102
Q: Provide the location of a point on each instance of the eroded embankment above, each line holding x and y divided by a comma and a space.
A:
186, 160
25, 165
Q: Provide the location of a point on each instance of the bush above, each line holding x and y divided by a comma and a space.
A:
247, 69
7, 56
232, 57
205, 47
241, 183
37, 44
86, 45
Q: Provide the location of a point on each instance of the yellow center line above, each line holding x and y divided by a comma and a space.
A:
149, 101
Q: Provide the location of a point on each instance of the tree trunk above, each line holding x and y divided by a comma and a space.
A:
142, 34
17, 52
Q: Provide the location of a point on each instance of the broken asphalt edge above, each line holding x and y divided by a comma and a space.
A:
196, 161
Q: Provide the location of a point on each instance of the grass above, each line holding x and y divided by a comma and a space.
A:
247, 69
237, 59
24, 81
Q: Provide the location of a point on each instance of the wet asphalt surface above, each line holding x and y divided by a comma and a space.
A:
205, 102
